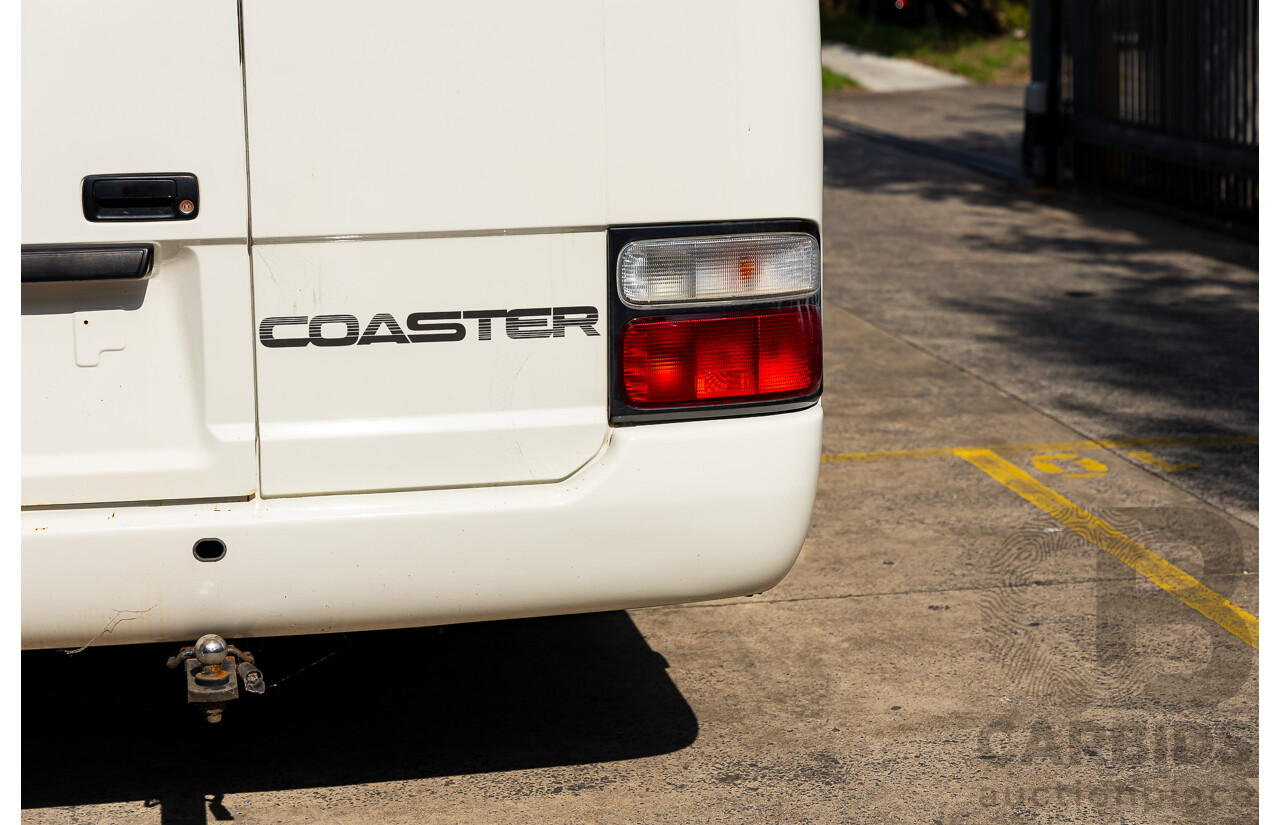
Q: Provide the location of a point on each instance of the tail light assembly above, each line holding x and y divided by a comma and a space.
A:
713, 320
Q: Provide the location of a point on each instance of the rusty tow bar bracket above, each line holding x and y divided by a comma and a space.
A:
214, 671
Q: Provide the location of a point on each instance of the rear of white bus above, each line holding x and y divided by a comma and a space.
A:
349, 317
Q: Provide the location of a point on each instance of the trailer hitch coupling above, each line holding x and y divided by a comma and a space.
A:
214, 671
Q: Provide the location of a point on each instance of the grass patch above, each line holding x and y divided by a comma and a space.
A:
836, 82
1001, 59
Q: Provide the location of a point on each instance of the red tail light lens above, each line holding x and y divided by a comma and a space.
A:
691, 360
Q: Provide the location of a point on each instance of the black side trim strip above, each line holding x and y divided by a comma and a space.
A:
44, 264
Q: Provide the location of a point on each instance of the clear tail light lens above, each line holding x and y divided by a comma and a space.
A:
687, 360
730, 268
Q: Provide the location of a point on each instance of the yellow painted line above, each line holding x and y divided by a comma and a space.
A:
888, 455
1042, 447
1085, 467
1159, 463
1096, 531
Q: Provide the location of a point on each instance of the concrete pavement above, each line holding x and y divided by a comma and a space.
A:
1118, 323
978, 126
879, 73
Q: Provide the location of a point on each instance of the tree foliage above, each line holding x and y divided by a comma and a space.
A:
984, 17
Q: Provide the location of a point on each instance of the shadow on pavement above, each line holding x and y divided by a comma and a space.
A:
969, 127
852, 163
1120, 322
1143, 337
112, 724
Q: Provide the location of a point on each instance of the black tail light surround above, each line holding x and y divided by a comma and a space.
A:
728, 357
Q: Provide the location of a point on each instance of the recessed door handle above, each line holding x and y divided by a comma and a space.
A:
151, 197
43, 264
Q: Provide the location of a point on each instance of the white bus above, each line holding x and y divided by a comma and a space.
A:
348, 316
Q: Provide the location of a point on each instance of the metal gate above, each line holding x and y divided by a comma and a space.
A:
1153, 98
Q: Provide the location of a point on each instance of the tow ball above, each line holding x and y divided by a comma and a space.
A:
212, 668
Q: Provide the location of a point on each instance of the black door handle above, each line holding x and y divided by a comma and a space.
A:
152, 197
43, 264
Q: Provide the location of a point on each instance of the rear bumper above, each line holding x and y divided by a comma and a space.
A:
666, 513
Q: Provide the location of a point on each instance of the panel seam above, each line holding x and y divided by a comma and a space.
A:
248, 205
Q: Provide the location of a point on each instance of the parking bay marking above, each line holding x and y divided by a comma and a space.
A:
1159, 463
1048, 447
1160, 572
1084, 466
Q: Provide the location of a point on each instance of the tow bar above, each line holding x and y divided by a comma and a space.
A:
212, 668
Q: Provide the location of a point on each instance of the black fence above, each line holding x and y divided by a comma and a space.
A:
1152, 98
